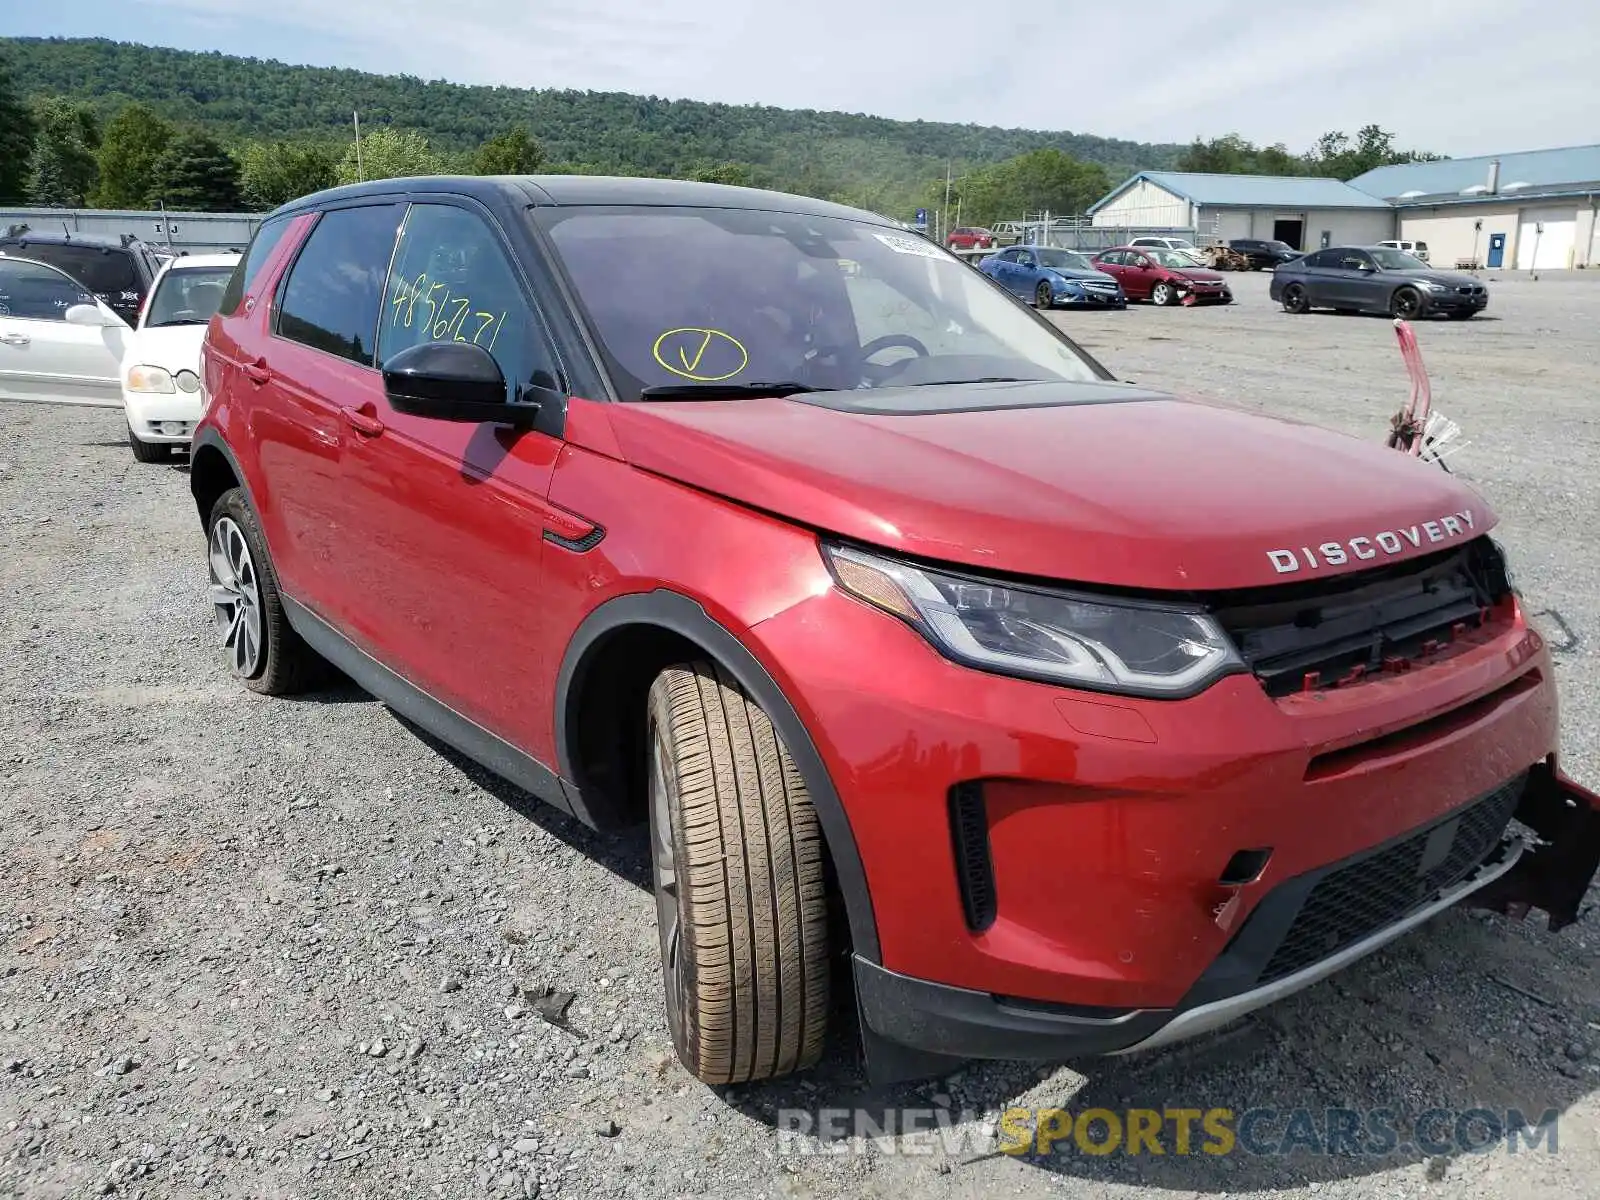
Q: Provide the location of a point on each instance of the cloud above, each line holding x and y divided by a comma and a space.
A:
1456, 76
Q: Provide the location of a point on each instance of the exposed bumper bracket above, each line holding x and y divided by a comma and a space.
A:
1554, 875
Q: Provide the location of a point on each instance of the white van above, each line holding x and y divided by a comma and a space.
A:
1416, 249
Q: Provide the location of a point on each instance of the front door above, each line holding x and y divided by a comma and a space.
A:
1497, 249
1355, 282
45, 357
443, 534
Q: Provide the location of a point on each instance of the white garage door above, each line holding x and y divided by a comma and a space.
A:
1551, 249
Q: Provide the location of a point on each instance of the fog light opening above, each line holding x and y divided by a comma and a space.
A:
1244, 867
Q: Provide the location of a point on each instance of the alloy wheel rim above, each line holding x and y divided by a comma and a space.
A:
663, 862
1043, 295
1160, 295
235, 597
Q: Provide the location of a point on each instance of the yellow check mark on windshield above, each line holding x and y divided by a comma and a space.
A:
698, 355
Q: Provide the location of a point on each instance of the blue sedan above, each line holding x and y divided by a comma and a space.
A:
1047, 277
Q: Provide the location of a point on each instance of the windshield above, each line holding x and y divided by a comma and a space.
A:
1279, 246
1398, 260
1064, 260
1179, 259
686, 296
187, 296
100, 270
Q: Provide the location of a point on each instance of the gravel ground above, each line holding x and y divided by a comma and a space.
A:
273, 948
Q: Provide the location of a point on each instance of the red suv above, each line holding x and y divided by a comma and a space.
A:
969, 239
764, 523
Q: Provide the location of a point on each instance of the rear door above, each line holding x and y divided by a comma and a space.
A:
442, 527
313, 366
42, 356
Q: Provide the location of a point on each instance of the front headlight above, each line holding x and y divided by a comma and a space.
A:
1431, 286
149, 379
1108, 645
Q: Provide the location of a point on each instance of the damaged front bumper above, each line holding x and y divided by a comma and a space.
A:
1555, 873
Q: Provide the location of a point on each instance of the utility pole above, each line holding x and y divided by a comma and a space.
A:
361, 175
944, 235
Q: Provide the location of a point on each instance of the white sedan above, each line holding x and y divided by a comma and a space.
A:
161, 365
58, 344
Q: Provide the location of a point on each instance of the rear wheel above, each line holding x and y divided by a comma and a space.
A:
1162, 294
1042, 296
1295, 299
263, 650
1407, 303
741, 898
148, 452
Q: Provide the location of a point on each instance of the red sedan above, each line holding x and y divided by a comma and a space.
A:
970, 238
1164, 276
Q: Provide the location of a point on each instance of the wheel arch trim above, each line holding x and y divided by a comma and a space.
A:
676, 613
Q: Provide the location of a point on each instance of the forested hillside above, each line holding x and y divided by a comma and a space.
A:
886, 165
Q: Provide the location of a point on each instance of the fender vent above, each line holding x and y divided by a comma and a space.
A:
969, 828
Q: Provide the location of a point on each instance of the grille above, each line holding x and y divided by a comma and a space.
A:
1470, 290
1323, 633
1381, 888
969, 827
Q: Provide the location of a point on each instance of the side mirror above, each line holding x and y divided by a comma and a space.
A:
452, 381
93, 316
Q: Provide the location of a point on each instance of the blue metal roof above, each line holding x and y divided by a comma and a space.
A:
1572, 169
1252, 191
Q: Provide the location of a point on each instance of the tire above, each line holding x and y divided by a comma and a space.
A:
1406, 304
1295, 300
741, 895
1162, 294
264, 651
148, 452
1043, 297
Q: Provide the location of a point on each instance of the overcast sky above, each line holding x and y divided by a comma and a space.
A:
1459, 77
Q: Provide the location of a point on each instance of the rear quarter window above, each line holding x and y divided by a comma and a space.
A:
255, 257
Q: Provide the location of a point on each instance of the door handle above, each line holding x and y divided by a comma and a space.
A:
365, 423
258, 371
13, 339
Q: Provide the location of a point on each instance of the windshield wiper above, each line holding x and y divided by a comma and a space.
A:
723, 391
984, 379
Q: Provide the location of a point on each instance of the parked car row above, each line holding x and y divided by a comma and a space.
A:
1049, 277
109, 322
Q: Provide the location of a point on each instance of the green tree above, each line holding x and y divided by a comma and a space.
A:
195, 174
17, 129
735, 173
1232, 155
1337, 155
1039, 181
388, 154
274, 173
513, 152
62, 168
134, 140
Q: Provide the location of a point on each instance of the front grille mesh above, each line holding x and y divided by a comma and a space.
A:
1374, 892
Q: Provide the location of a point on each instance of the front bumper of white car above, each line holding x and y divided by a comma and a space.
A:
163, 417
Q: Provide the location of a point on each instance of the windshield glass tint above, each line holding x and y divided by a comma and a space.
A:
188, 296
1398, 260
679, 296
102, 271
1064, 260
1177, 259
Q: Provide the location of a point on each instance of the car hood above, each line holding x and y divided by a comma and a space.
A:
1202, 274
1448, 278
172, 347
1094, 482
1073, 273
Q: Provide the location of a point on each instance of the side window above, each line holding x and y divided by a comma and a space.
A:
255, 257
1024, 258
1111, 258
1354, 260
334, 290
30, 292
1319, 259
452, 282
1009, 256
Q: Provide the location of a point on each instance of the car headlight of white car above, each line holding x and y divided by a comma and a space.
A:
144, 378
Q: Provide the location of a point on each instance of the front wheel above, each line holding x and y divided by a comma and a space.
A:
1162, 294
741, 895
1407, 304
147, 452
1042, 296
1295, 299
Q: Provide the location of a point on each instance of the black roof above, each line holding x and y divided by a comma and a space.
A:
45, 237
560, 191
